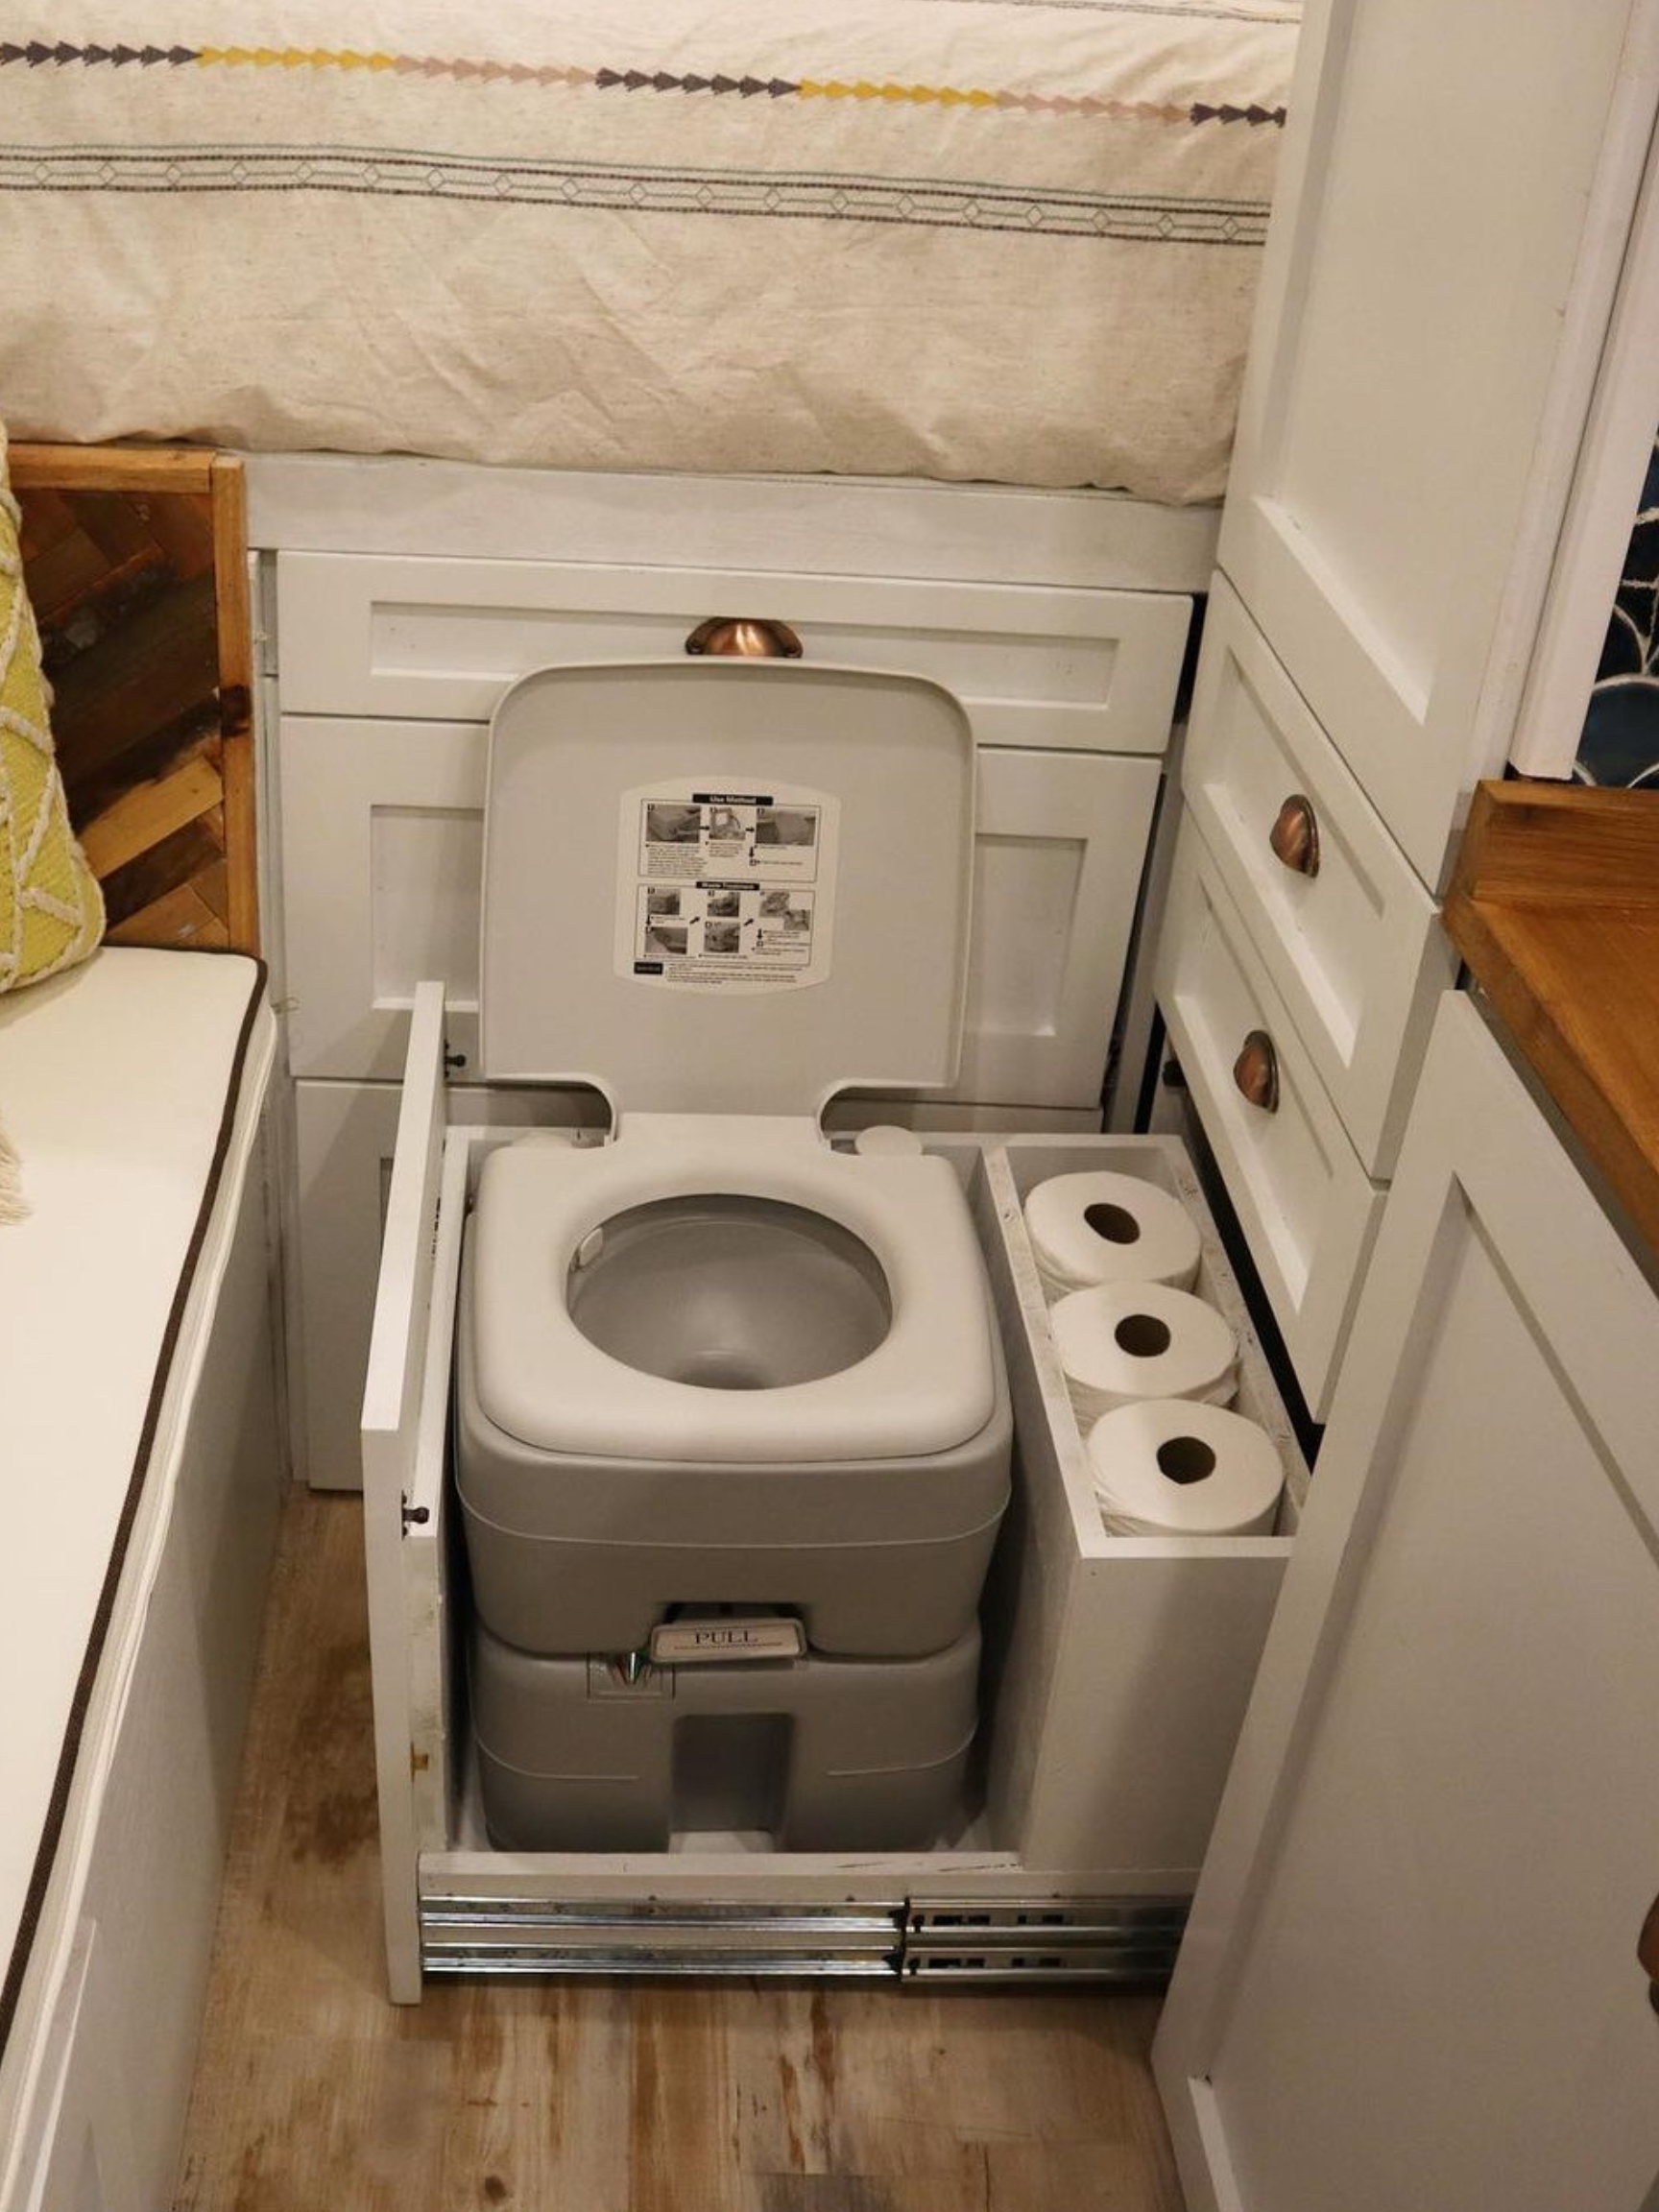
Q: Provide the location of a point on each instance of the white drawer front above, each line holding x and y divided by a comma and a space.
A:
1089, 671
1355, 950
344, 1137
383, 835
1304, 1200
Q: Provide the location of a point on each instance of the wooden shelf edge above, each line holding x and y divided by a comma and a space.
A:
1564, 843
1620, 1134
111, 467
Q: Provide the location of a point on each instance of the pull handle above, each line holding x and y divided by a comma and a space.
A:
1256, 1071
1648, 1953
1295, 835
744, 638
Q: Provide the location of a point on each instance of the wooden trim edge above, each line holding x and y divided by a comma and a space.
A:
1561, 844
111, 467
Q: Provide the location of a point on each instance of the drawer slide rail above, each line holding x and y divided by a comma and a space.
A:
1102, 1940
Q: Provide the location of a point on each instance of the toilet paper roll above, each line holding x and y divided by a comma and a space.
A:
1167, 1467
1105, 1228
1124, 1342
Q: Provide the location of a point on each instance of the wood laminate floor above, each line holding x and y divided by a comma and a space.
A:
313, 2094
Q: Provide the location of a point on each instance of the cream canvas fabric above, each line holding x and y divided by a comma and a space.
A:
1004, 239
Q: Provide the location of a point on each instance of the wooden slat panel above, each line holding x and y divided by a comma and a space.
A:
137, 566
235, 634
177, 860
145, 815
179, 917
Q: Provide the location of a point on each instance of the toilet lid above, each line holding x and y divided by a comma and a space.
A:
724, 886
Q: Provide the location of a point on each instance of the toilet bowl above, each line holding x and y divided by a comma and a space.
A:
716, 1361
791, 1396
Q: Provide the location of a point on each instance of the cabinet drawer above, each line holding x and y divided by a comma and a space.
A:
1352, 949
382, 842
1305, 1201
1086, 671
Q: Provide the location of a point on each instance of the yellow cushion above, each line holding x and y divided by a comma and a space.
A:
51, 908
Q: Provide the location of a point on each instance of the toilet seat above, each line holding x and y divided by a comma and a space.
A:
928, 1387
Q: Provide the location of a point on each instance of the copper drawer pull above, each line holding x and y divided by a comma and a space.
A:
1295, 835
1256, 1071
1648, 1952
744, 638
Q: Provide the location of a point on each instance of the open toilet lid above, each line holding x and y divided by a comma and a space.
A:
726, 887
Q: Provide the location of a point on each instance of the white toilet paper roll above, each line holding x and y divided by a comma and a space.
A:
1167, 1467
1106, 1228
1124, 1342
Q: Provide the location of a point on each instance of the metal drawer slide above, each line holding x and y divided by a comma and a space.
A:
1132, 1939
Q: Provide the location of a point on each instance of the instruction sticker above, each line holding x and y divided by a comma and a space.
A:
721, 890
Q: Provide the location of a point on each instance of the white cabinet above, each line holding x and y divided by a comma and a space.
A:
74, 2148
1411, 1978
1350, 938
1458, 188
1454, 202
390, 663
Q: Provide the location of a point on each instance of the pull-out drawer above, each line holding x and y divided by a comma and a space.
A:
1116, 1666
1336, 914
389, 818
1305, 1200
1070, 671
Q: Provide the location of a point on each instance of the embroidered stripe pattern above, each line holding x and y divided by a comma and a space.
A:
1028, 210
63, 54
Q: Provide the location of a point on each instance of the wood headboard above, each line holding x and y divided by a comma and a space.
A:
136, 561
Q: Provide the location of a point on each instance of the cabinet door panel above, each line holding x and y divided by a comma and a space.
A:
1457, 186
1412, 1974
393, 636
382, 845
1061, 843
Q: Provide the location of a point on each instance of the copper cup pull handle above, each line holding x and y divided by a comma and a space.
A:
1295, 835
1256, 1071
743, 637
1648, 1952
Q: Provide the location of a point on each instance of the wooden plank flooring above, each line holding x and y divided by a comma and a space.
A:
313, 2091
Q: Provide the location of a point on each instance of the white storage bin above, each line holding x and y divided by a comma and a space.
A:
1123, 1690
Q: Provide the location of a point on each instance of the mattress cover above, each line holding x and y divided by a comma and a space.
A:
122, 1085
1003, 239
